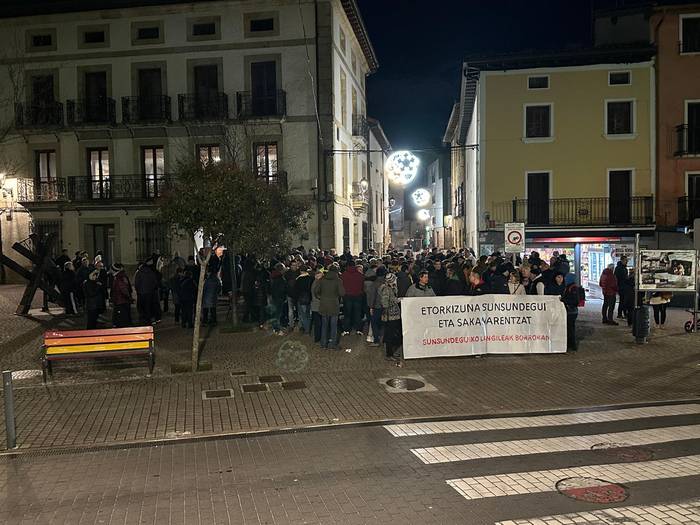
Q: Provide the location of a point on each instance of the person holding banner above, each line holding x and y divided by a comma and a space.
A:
391, 316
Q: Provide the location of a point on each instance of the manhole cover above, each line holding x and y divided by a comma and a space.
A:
248, 389
625, 452
592, 490
294, 385
18, 375
270, 379
217, 394
405, 383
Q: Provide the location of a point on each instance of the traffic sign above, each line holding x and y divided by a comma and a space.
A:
515, 237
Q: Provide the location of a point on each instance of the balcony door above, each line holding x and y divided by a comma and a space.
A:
96, 96
150, 94
266, 161
263, 88
694, 195
98, 171
620, 196
153, 166
46, 184
42, 110
538, 198
206, 90
693, 121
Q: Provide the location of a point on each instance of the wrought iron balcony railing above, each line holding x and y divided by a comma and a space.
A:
146, 109
203, 107
584, 211
251, 105
43, 115
100, 110
278, 178
688, 210
127, 188
359, 126
687, 141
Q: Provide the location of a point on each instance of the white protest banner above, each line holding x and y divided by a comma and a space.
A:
485, 324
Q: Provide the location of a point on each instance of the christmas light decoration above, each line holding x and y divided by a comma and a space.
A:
421, 197
423, 215
402, 167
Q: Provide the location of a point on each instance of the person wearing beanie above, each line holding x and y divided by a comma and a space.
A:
391, 316
328, 292
94, 299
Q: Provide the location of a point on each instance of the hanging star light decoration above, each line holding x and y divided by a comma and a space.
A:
423, 215
421, 197
402, 167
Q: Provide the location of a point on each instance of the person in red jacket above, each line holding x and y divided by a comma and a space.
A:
354, 299
121, 297
608, 284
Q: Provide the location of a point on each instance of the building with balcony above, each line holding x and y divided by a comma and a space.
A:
565, 145
112, 94
675, 30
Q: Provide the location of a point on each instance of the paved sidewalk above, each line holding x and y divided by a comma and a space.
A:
111, 403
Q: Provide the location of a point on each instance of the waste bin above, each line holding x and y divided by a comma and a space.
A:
641, 328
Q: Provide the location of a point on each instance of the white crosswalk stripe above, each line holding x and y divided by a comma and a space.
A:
545, 480
673, 513
504, 423
521, 447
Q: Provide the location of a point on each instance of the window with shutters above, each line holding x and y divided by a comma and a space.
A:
538, 122
619, 118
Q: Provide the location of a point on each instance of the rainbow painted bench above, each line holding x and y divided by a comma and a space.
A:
93, 344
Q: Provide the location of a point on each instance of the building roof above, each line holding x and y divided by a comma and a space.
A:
618, 54
451, 124
16, 8
379, 134
462, 112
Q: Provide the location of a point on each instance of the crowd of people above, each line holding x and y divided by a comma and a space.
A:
329, 295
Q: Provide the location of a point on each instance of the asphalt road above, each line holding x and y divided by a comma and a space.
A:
475, 471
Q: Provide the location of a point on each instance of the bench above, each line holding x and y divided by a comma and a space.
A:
92, 344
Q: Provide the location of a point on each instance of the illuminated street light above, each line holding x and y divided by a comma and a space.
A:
421, 197
423, 215
402, 167
364, 185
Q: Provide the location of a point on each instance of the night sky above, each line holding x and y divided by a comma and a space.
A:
421, 44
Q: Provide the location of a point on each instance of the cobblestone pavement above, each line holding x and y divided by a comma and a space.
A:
372, 475
102, 403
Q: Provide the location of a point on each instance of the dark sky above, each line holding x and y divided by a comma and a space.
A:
421, 43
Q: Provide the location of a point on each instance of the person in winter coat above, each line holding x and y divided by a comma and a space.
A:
403, 280
453, 285
291, 277
121, 295
437, 278
329, 291
82, 271
258, 301
303, 291
515, 287
316, 305
188, 297
556, 286
498, 284
421, 288
278, 295
608, 285
94, 299
174, 286
210, 297
354, 299
147, 288
374, 304
391, 315
621, 274
659, 301
66, 286
476, 284
570, 298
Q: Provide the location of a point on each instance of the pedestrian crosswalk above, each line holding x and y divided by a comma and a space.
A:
657, 426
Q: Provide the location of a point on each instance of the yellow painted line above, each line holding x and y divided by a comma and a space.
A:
96, 348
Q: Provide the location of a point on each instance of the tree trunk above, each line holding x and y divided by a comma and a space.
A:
198, 310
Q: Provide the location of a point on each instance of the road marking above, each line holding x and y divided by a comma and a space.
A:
495, 449
505, 423
686, 512
545, 480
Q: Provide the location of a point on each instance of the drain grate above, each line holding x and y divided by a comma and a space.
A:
239, 373
294, 385
250, 389
270, 379
226, 393
405, 383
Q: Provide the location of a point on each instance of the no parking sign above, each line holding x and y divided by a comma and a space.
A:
515, 237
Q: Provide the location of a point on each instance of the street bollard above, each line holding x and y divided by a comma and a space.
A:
8, 394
